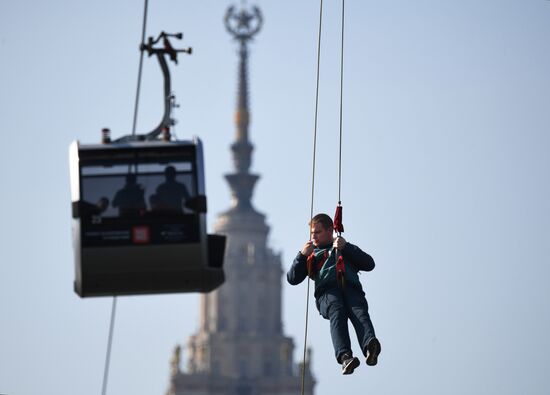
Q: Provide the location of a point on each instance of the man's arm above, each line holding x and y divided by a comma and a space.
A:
298, 271
357, 257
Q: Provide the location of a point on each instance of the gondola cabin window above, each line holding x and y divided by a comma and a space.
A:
138, 190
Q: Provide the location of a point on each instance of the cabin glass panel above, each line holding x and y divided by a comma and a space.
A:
137, 199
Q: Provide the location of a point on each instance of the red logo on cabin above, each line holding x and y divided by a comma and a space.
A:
140, 235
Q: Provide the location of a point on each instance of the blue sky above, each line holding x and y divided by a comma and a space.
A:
445, 181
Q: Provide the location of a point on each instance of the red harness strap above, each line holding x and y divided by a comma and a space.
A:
340, 271
313, 267
339, 228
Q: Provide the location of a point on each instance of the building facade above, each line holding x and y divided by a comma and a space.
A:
240, 347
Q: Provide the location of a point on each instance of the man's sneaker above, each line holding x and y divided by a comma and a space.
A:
349, 364
373, 350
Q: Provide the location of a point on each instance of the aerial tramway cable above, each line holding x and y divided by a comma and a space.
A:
109, 344
144, 25
341, 106
338, 215
136, 105
312, 182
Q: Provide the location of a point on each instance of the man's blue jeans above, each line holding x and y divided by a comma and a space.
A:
338, 305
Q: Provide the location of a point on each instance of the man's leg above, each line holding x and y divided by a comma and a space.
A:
331, 307
358, 310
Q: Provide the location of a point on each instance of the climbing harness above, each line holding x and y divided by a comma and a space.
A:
315, 264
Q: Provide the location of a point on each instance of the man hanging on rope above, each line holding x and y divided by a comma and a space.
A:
338, 292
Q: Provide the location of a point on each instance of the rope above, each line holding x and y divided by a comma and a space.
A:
109, 344
314, 154
312, 183
136, 105
341, 105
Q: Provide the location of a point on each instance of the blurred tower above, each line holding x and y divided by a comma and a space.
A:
240, 348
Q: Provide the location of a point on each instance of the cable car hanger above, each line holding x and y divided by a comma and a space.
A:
169, 98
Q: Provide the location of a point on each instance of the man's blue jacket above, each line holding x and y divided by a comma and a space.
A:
355, 260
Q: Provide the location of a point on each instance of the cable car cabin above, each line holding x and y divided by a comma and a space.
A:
139, 211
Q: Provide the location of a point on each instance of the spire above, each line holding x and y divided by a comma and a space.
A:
241, 347
243, 26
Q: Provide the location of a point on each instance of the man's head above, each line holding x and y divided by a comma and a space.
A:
170, 173
321, 230
131, 178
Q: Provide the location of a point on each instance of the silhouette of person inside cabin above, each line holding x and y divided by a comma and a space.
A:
130, 199
90, 209
171, 195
